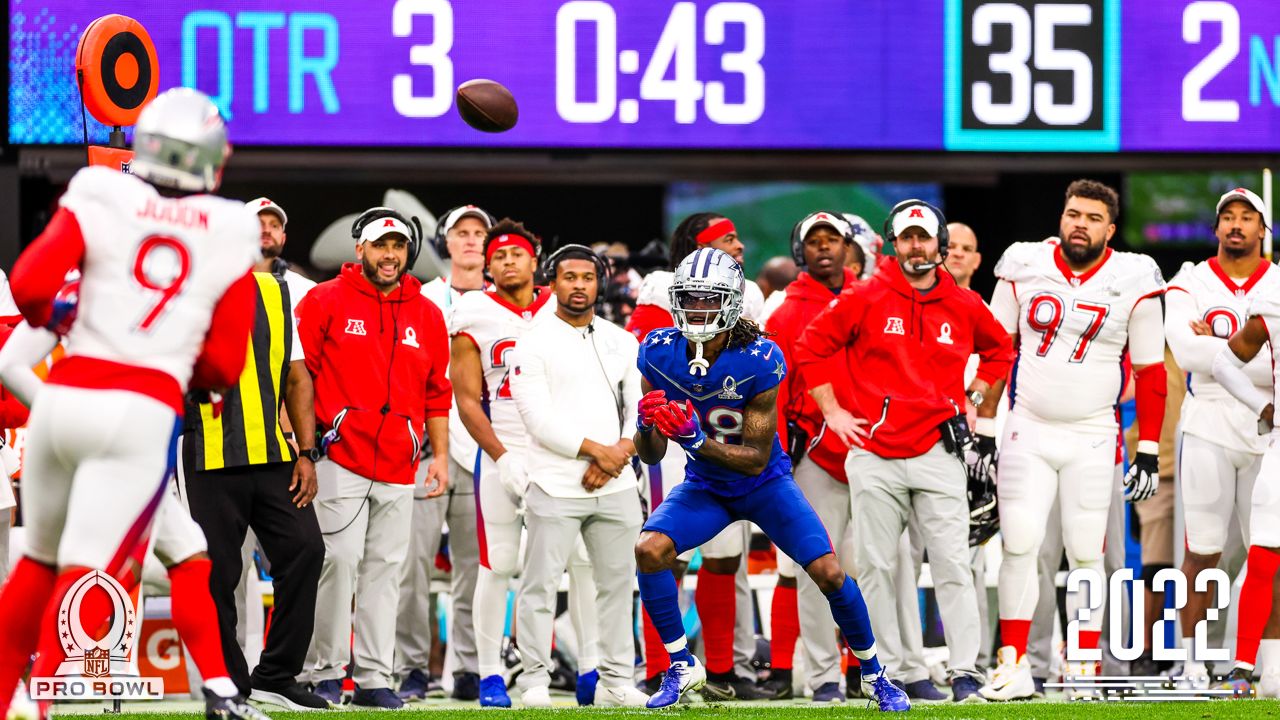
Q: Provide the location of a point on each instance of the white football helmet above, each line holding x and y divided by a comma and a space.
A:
705, 274
180, 142
866, 239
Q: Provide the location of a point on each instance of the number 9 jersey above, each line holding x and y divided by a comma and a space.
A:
1073, 330
720, 397
153, 268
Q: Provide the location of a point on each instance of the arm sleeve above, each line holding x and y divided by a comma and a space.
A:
439, 389
542, 418
1228, 370
23, 348
1004, 306
42, 268
1194, 353
833, 329
1146, 333
992, 344
226, 344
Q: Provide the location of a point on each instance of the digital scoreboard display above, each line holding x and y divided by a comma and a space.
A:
1016, 75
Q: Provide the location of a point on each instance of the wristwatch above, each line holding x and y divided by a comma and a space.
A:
976, 397
313, 454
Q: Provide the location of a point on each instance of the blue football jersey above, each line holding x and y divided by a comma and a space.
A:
720, 397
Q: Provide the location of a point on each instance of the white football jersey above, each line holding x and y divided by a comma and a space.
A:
154, 268
462, 447
1209, 411
494, 326
1072, 330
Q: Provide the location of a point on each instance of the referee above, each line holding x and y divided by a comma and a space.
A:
240, 473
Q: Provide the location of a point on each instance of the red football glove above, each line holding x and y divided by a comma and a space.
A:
651, 401
680, 423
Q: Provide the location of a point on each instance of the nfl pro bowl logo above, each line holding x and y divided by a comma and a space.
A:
97, 667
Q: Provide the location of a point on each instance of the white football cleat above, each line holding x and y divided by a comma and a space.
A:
1078, 671
22, 707
1011, 679
536, 697
1269, 685
1195, 676
625, 696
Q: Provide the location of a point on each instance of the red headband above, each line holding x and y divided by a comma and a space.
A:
508, 240
715, 231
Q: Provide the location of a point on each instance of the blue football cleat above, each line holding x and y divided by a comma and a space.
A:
493, 692
888, 696
586, 689
681, 678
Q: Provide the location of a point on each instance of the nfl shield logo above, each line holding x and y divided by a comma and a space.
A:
97, 662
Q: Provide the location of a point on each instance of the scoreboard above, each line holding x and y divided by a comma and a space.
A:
963, 75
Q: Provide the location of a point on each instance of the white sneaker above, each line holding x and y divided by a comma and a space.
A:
1011, 680
681, 678
625, 696
22, 707
537, 697
1195, 676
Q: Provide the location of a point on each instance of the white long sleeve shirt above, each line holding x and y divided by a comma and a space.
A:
572, 384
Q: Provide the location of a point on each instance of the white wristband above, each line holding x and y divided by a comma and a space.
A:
985, 426
1148, 447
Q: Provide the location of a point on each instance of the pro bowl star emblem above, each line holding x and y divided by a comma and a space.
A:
778, 370
730, 390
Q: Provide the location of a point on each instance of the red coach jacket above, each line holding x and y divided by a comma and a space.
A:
906, 354
378, 363
806, 298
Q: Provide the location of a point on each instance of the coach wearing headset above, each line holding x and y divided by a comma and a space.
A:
907, 334
577, 388
377, 350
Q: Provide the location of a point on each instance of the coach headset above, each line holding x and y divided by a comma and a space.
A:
378, 213
439, 240
574, 250
797, 242
944, 236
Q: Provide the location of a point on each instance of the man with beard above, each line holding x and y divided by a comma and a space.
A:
1074, 307
907, 335
486, 327
377, 350
577, 387
1237, 413
272, 219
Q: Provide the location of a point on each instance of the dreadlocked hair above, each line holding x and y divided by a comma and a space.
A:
744, 332
685, 238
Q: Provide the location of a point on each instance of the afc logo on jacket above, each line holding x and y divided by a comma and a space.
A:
355, 327
893, 326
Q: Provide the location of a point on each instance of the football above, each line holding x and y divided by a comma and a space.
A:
487, 106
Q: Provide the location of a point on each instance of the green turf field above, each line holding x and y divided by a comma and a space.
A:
800, 710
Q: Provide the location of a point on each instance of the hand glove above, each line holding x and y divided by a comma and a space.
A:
1143, 478
981, 460
680, 423
651, 401
512, 474
66, 303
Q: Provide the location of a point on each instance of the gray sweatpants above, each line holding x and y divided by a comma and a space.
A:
932, 487
367, 526
464, 556
415, 625
609, 526
901, 649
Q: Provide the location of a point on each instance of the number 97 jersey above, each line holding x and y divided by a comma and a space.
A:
154, 268
720, 398
1072, 329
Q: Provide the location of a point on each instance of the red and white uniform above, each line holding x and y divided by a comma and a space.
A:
1220, 449
495, 325
165, 301
1264, 512
1060, 438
